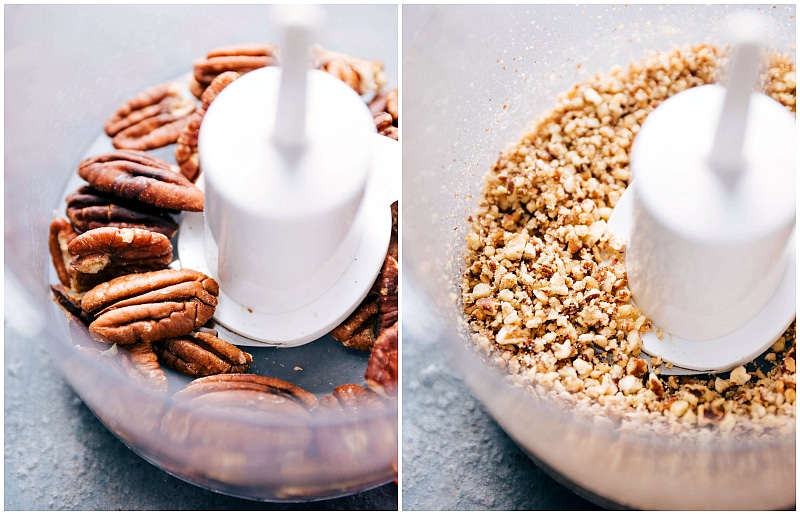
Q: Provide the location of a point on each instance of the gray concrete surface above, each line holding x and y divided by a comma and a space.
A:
58, 456
455, 456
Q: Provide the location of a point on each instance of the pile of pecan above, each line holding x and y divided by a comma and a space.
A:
113, 253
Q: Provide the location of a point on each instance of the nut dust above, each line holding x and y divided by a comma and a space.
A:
545, 288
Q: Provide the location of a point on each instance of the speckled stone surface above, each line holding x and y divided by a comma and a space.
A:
455, 456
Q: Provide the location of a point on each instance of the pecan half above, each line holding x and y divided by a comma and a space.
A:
358, 330
151, 119
387, 296
136, 175
186, 149
140, 363
382, 368
362, 75
383, 124
88, 208
150, 306
356, 397
107, 252
237, 58
61, 233
70, 302
201, 354
285, 390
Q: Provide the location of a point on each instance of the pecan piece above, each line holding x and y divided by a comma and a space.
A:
151, 119
140, 362
61, 233
250, 383
107, 252
387, 296
200, 354
383, 124
237, 58
382, 370
358, 330
88, 208
136, 175
362, 75
150, 306
71, 303
186, 149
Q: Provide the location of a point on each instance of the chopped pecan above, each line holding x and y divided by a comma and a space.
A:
200, 354
136, 175
150, 306
382, 368
88, 208
237, 58
363, 75
151, 119
61, 233
186, 149
107, 252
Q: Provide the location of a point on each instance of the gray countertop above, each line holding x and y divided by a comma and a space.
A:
58, 456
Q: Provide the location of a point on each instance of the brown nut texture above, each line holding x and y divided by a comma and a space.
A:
151, 119
88, 208
358, 330
186, 154
382, 369
61, 233
70, 302
201, 354
249, 383
107, 252
241, 58
387, 296
150, 306
383, 124
136, 175
363, 75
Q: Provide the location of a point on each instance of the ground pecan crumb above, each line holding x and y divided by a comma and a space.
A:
545, 287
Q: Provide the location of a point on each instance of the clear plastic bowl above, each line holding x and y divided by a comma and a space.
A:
474, 78
67, 69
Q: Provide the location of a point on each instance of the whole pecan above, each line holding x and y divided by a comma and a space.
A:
61, 233
241, 58
200, 354
136, 175
382, 369
88, 208
107, 252
363, 75
186, 149
151, 119
150, 306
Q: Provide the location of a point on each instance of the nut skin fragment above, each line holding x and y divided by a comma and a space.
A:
382, 369
136, 175
202, 354
88, 208
150, 306
186, 154
151, 119
61, 233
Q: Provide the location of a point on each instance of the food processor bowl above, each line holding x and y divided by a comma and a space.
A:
67, 69
474, 78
